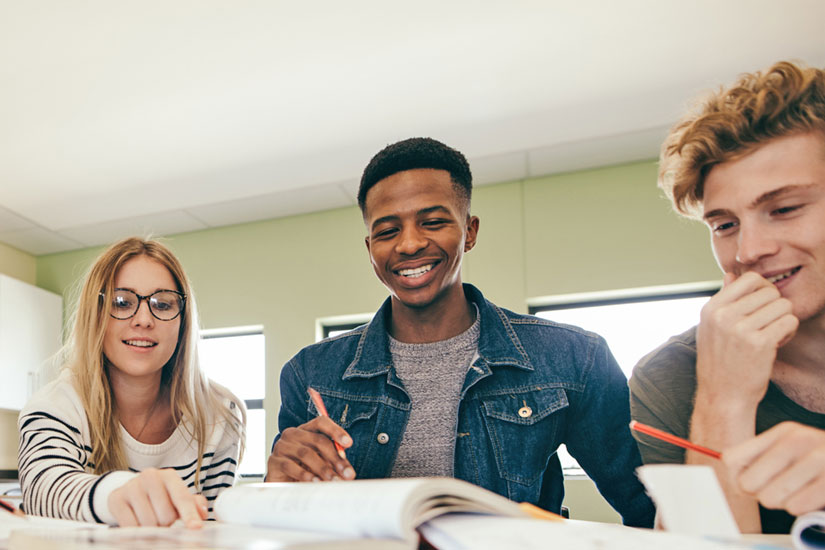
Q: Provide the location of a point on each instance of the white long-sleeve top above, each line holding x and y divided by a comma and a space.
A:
55, 451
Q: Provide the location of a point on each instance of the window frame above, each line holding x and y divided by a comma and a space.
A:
325, 325
623, 296
534, 309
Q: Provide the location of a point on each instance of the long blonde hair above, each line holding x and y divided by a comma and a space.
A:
196, 401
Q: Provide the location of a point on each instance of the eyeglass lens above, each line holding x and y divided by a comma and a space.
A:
164, 304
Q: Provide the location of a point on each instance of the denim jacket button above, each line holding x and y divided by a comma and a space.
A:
525, 412
383, 438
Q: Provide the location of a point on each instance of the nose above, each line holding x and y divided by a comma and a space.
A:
754, 243
143, 317
410, 241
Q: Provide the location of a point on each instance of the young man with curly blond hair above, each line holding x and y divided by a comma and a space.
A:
749, 380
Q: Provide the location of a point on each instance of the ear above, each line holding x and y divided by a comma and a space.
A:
367, 243
471, 233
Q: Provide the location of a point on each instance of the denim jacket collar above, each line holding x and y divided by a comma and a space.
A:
498, 344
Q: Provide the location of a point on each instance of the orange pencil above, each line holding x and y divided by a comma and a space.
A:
322, 410
11, 508
535, 512
672, 439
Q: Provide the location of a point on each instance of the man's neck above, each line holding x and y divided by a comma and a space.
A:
806, 350
449, 317
800, 365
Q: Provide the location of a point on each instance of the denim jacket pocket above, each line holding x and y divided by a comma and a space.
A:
522, 430
356, 416
346, 412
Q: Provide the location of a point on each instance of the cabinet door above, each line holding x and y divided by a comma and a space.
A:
31, 320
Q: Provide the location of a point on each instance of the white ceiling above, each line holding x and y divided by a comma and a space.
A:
168, 116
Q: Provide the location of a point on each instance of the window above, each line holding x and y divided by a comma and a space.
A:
333, 326
235, 358
335, 330
633, 322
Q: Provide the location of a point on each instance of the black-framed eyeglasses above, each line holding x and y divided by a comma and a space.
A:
164, 305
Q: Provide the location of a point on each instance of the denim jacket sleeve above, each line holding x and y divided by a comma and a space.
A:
598, 436
293, 411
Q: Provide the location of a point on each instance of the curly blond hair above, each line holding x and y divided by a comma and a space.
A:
730, 123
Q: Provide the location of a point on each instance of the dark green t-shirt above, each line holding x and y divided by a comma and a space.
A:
661, 395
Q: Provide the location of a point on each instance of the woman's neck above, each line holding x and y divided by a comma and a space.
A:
143, 407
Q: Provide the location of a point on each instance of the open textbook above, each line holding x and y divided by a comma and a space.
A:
375, 514
362, 514
367, 509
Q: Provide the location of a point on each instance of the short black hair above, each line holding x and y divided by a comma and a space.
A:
414, 153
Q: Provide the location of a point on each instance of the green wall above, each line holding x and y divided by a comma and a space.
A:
593, 230
22, 266
609, 228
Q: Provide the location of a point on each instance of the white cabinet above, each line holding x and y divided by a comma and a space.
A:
31, 320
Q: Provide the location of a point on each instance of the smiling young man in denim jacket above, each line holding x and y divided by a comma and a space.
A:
444, 383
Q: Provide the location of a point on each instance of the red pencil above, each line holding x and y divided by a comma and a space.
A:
322, 410
672, 439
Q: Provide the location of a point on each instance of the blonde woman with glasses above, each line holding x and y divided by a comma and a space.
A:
131, 432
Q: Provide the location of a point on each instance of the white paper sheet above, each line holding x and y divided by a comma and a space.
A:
689, 499
473, 532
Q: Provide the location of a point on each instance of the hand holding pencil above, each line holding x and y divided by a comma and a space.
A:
312, 451
783, 467
322, 411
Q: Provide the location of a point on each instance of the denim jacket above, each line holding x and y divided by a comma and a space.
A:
534, 385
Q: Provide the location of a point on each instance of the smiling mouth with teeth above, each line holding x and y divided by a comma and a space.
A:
777, 278
417, 272
140, 343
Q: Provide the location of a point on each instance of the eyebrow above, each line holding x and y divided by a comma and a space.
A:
428, 210
765, 197
136, 292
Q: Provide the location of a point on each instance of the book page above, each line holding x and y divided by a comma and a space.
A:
366, 508
689, 499
473, 532
10, 522
349, 508
213, 536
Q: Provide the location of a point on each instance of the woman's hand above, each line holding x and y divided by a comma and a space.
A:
157, 498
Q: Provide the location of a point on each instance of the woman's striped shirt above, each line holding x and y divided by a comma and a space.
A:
55, 452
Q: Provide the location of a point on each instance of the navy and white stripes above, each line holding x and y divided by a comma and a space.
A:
54, 458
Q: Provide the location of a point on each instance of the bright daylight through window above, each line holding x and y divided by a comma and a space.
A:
235, 358
632, 326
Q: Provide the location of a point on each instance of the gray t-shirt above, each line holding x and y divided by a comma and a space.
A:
433, 375
661, 395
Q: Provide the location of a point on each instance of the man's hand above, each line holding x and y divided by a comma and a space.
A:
306, 453
783, 467
741, 329
157, 498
